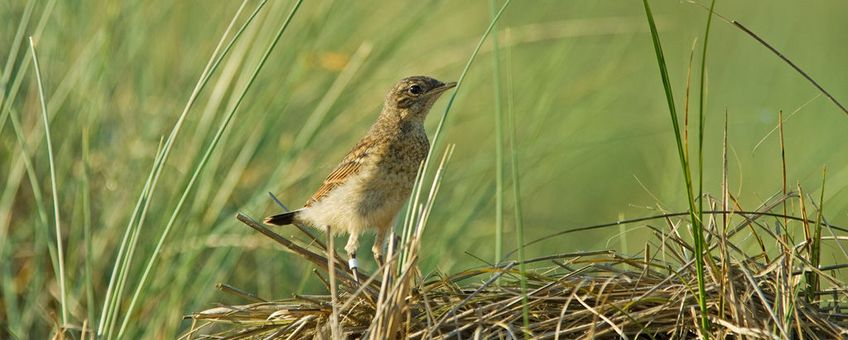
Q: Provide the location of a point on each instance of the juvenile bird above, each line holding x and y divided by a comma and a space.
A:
371, 184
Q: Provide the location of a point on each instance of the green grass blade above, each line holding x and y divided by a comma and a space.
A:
56, 216
41, 232
459, 82
17, 42
209, 70
134, 232
813, 280
86, 225
699, 232
687, 176
111, 301
499, 153
200, 166
701, 117
519, 215
412, 208
9, 94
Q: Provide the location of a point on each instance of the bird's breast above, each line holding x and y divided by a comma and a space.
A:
405, 152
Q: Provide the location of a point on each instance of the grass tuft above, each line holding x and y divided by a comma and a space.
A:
588, 294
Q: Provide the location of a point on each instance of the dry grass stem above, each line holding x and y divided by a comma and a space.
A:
599, 294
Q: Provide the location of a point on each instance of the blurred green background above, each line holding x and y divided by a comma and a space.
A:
594, 140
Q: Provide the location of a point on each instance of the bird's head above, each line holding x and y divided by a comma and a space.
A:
413, 97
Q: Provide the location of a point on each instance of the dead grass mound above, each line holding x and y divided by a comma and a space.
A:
778, 294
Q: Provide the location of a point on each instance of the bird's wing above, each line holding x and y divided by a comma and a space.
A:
349, 166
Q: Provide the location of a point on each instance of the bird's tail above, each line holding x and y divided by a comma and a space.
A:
281, 219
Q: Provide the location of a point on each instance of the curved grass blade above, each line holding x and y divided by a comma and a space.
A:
697, 227
56, 217
198, 169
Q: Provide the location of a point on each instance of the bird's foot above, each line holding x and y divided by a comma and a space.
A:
353, 264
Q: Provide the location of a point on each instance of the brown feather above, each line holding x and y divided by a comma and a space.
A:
349, 166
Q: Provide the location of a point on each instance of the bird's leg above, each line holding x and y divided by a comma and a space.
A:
377, 248
352, 245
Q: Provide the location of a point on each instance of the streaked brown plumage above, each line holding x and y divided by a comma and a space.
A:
370, 185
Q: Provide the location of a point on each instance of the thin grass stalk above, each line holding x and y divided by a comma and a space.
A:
110, 302
212, 146
434, 190
783, 172
410, 249
412, 205
217, 202
24, 68
210, 68
725, 187
785, 59
409, 218
687, 176
91, 308
41, 232
56, 216
135, 232
725, 284
20, 165
774, 129
808, 232
459, 83
6, 110
699, 232
702, 94
334, 297
31, 174
686, 100
670, 215
791, 64
17, 42
226, 80
516, 197
815, 250
418, 214
499, 153
808, 244
149, 190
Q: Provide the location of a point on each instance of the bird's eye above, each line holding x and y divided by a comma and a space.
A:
415, 89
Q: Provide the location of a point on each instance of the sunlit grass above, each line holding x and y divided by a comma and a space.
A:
135, 88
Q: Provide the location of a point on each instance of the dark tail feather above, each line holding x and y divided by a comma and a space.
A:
281, 219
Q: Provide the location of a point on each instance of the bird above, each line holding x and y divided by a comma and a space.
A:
374, 180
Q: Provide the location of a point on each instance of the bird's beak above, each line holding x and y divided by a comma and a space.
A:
442, 88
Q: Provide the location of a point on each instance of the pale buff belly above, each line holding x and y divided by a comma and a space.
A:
369, 199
